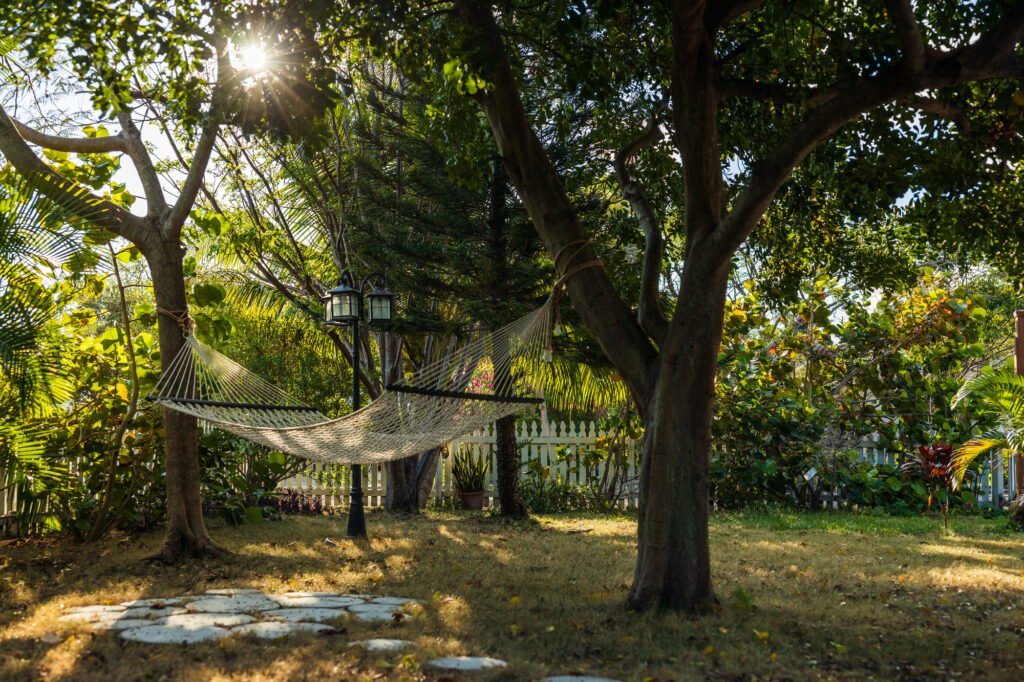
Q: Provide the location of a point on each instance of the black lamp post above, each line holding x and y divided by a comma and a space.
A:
343, 306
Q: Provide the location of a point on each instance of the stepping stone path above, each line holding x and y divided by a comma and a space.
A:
158, 603
275, 629
200, 620
466, 663
308, 615
316, 601
383, 645
222, 612
239, 604
174, 634
577, 678
374, 613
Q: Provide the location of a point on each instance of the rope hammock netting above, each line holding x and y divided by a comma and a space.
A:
439, 402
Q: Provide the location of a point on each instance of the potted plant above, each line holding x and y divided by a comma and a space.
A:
469, 472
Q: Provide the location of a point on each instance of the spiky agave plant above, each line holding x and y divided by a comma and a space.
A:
999, 395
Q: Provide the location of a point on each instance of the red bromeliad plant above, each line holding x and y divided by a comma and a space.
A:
934, 465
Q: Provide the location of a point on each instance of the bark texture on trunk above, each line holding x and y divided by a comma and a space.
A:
510, 501
673, 567
425, 476
402, 495
186, 531
507, 456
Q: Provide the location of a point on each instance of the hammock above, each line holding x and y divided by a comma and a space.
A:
438, 403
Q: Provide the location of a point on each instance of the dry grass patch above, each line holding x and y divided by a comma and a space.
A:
803, 597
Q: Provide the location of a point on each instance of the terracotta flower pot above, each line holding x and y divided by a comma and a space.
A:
473, 500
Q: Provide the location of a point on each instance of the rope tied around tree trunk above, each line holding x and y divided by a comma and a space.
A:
558, 290
181, 318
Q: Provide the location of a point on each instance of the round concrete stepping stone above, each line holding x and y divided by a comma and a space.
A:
311, 615
158, 603
364, 597
320, 602
376, 616
299, 593
232, 591
577, 678
203, 620
364, 608
119, 623
97, 608
152, 612
393, 601
466, 663
383, 645
173, 634
275, 629
89, 616
238, 604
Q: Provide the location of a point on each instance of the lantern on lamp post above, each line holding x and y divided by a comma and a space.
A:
343, 306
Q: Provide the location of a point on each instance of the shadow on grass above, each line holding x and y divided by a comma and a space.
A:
548, 596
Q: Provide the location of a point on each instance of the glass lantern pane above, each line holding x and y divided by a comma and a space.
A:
380, 308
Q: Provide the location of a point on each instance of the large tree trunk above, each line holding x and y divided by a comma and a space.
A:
425, 476
674, 561
507, 456
507, 453
186, 532
402, 494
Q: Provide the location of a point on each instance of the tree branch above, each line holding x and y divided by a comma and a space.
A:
531, 171
72, 196
204, 147
649, 315
72, 145
156, 204
990, 57
909, 33
777, 92
721, 13
939, 108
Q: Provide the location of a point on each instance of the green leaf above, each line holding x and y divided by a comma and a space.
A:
254, 515
210, 293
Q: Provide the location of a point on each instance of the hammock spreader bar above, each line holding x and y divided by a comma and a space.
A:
221, 403
461, 395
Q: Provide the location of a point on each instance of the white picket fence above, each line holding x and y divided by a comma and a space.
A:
544, 442
541, 441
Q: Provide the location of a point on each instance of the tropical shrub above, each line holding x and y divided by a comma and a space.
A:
933, 465
240, 478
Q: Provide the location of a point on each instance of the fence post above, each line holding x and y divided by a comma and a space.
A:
1017, 481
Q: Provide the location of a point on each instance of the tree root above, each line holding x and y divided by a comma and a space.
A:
178, 548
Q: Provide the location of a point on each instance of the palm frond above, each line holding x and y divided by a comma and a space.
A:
990, 442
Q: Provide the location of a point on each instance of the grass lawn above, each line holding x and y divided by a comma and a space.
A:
803, 597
